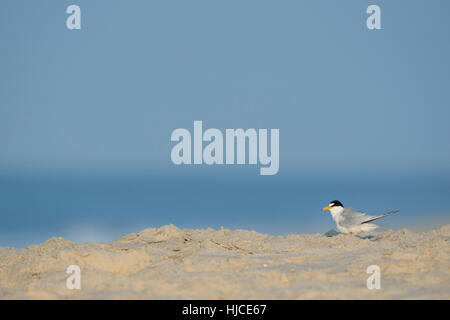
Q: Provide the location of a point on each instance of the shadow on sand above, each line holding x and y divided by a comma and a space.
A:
333, 233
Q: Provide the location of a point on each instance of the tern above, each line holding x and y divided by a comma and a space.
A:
351, 221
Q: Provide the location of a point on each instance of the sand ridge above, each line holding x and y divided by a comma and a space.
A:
173, 263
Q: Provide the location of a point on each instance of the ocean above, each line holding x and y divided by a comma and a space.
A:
34, 208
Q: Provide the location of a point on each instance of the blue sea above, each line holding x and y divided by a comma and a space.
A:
34, 208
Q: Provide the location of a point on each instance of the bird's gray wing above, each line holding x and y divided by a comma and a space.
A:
372, 218
352, 217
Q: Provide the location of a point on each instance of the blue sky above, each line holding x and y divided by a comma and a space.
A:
86, 115
108, 96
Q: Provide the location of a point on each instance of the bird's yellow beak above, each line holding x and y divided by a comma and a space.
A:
327, 208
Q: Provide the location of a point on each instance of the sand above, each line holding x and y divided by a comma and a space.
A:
172, 263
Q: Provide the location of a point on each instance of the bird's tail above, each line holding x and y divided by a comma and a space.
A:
380, 216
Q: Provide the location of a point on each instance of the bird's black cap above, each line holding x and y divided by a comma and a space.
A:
336, 203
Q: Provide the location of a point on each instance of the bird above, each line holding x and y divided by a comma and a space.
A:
351, 221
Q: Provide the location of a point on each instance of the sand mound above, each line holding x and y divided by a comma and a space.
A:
170, 263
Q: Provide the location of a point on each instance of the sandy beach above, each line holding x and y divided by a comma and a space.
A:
173, 263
